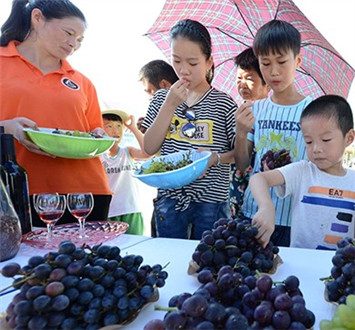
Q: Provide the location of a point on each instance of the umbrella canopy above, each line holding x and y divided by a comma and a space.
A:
233, 25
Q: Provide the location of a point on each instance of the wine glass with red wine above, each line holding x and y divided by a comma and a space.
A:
80, 206
49, 207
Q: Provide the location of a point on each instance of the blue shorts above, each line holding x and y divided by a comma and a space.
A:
190, 223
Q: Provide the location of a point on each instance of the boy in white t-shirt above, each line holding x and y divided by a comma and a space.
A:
118, 164
322, 190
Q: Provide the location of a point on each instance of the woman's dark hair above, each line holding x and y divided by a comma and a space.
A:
332, 107
277, 37
18, 25
196, 32
246, 60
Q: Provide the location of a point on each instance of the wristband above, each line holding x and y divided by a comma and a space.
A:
218, 158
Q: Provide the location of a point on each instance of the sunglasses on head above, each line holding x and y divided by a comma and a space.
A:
189, 129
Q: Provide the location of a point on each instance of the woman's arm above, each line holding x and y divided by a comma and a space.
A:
15, 127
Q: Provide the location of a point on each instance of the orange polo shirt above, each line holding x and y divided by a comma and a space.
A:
63, 98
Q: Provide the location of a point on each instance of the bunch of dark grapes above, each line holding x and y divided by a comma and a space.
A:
215, 305
341, 283
80, 288
275, 159
200, 310
233, 302
281, 306
232, 242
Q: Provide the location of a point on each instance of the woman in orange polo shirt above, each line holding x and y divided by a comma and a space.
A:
37, 82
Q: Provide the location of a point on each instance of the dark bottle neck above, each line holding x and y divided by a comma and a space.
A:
7, 148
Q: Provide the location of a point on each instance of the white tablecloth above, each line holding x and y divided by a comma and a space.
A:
307, 265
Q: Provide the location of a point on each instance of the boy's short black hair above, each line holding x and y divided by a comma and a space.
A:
331, 107
246, 60
277, 37
113, 117
157, 70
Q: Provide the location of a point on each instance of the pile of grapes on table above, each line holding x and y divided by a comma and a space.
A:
235, 292
341, 282
340, 286
232, 242
81, 288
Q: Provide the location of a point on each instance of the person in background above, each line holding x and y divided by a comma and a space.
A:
273, 122
40, 85
251, 86
119, 165
191, 115
155, 75
323, 190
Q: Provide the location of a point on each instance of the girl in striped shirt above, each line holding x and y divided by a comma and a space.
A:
192, 115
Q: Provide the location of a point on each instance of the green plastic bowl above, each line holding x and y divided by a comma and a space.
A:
67, 146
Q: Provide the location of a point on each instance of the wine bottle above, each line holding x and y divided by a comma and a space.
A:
16, 179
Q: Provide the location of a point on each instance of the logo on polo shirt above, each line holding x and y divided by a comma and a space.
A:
70, 84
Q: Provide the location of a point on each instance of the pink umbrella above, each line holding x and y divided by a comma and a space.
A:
233, 25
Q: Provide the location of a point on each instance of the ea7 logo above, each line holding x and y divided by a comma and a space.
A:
70, 84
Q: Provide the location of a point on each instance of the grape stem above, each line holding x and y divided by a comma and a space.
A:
14, 285
229, 246
329, 278
165, 309
166, 265
258, 274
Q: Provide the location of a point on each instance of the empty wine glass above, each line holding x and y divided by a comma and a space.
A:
49, 207
80, 206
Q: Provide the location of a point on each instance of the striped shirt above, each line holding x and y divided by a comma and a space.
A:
276, 127
215, 130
